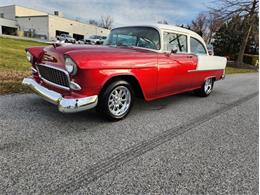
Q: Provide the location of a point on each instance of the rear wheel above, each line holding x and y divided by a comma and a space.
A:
116, 100
206, 88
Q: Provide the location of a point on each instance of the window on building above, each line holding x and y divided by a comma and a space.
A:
78, 37
197, 47
1, 15
8, 30
173, 41
58, 32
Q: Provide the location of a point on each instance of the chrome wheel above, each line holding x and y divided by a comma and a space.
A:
119, 100
208, 86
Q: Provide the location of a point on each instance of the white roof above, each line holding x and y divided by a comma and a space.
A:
174, 28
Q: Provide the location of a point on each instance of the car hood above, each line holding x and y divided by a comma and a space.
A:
83, 55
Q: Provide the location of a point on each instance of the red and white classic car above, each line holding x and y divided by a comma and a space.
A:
151, 61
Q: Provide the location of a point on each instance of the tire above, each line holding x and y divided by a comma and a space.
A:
206, 88
116, 100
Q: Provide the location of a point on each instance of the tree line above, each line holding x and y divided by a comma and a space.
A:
104, 22
231, 26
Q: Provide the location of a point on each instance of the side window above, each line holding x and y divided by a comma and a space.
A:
197, 47
174, 41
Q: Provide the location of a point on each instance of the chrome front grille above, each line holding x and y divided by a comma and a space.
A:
54, 76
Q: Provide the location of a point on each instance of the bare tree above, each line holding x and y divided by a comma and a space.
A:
162, 22
94, 22
184, 26
106, 22
247, 10
199, 25
214, 22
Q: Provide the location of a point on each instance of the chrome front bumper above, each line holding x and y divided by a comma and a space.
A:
64, 104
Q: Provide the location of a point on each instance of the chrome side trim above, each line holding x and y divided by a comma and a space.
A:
202, 70
65, 105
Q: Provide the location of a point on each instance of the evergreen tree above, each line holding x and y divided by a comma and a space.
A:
227, 40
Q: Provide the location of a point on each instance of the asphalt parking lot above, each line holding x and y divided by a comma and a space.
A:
177, 145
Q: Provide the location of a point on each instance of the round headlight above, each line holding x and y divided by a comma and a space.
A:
70, 66
29, 56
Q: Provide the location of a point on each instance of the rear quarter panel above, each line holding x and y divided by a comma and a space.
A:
208, 66
206, 62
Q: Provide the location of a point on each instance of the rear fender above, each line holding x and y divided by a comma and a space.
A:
210, 77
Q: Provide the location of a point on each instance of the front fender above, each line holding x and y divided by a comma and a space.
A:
36, 52
94, 80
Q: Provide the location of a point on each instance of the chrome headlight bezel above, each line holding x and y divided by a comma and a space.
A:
29, 57
70, 65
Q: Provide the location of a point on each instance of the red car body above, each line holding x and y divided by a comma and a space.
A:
157, 74
152, 74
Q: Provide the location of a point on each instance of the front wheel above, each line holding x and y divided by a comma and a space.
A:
116, 100
206, 88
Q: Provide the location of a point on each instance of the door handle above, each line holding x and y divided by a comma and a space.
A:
189, 56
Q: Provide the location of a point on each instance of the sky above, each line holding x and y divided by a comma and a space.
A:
124, 12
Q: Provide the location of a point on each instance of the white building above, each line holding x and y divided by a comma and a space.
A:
33, 23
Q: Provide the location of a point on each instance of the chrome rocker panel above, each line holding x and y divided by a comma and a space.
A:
64, 104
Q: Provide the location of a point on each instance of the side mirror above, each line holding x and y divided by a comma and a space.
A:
174, 50
211, 53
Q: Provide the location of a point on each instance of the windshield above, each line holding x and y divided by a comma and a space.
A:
146, 37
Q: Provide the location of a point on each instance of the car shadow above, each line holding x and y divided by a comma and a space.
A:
140, 105
86, 120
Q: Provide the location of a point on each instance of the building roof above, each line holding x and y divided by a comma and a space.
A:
44, 14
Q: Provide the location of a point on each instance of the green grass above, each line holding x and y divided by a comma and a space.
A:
12, 54
232, 70
14, 65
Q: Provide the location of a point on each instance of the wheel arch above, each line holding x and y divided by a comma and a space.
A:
211, 77
132, 80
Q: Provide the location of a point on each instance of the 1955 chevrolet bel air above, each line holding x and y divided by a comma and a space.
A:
150, 61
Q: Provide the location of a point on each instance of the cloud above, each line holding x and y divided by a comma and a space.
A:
124, 12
